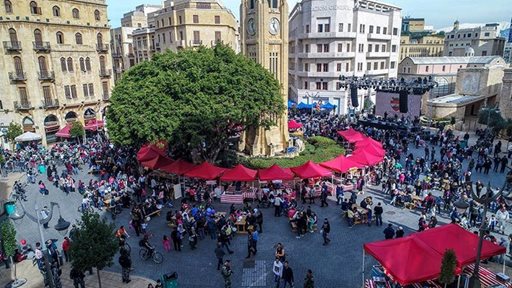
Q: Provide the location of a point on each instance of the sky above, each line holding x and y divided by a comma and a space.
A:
437, 13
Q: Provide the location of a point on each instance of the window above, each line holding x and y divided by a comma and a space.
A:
99, 39
67, 92
86, 90
393, 48
324, 85
368, 66
105, 88
88, 64
393, 63
217, 19
102, 64
377, 47
306, 67
60, 37
38, 38
42, 65
23, 95
376, 66
382, 65
91, 89
47, 94
349, 28
484, 53
180, 20
426, 68
395, 31
318, 85
348, 47
326, 67
319, 48
56, 11
197, 37
218, 36
273, 4
76, 13
370, 47
340, 27
340, 47
371, 29
195, 19
326, 48
320, 28
384, 30
319, 67
444, 68
18, 65
307, 29
362, 28
251, 4
63, 66
82, 64
70, 64
347, 67
338, 67
8, 6
359, 66
78, 39
361, 48
383, 48
13, 36
306, 85
73, 91
378, 29
306, 48
34, 9
97, 15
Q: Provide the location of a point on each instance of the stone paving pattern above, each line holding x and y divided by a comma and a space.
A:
337, 265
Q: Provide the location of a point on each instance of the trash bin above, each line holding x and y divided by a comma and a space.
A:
170, 280
10, 208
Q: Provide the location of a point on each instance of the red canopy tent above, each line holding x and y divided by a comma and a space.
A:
64, 132
370, 149
178, 167
156, 163
351, 135
363, 157
94, 125
334, 164
275, 172
205, 171
368, 141
294, 125
239, 173
311, 170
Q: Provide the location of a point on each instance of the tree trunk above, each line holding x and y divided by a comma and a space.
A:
99, 278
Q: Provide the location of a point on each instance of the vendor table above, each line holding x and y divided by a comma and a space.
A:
240, 226
232, 198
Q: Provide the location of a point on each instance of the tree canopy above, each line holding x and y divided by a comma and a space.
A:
77, 129
195, 99
14, 130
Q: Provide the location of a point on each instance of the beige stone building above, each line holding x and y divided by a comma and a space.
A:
506, 95
484, 41
421, 45
56, 63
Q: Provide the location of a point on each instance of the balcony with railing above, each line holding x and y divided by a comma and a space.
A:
105, 97
17, 76
105, 73
51, 103
197, 42
22, 105
43, 47
12, 46
46, 75
102, 48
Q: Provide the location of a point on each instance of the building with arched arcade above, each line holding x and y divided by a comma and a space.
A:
56, 63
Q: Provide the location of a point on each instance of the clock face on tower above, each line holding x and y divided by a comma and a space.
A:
251, 27
274, 26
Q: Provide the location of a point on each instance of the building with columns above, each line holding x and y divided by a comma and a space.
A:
264, 39
56, 63
329, 38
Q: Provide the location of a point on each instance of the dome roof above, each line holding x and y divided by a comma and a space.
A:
469, 51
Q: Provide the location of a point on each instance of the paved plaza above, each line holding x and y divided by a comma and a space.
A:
337, 265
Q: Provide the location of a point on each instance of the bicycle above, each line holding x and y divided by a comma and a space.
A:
145, 254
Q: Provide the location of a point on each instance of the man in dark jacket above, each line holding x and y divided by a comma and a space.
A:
377, 211
389, 232
78, 277
326, 229
219, 252
126, 264
400, 232
287, 275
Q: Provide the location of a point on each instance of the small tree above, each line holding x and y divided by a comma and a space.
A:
9, 241
14, 130
448, 266
95, 245
77, 130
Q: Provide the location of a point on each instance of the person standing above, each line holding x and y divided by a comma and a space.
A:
277, 206
226, 273
250, 245
323, 196
400, 232
377, 211
277, 268
389, 232
78, 277
326, 229
126, 264
309, 281
219, 253
259, 220
176, 239
287, 275
66, 244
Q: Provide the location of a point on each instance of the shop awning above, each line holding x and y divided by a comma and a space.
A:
311, 170
328, 106
303, 105
275, 172
64, 132
291, 104
239, 173
28, 136
205, 171
178, 167
157, 162
94, 125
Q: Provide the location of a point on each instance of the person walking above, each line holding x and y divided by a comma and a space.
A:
377, 211
66, 244
287, 275
323, 196
251, 250
326, 229
226, 273
309, 281
277, 269
277, 206
176, 239
78, 277
126, 264
219, 253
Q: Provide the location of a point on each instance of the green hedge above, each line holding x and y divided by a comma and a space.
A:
318, 149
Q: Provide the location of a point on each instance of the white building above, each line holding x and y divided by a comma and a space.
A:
485, 40
329, 38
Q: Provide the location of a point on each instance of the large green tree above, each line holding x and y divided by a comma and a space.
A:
95, 244
14, 130
77, 130
195, 99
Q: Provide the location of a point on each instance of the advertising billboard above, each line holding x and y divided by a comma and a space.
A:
390, 102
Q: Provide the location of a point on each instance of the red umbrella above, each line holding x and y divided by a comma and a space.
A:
365, 158
275, 172
205, 171
178, 167
239, 173
311, 170
294, 125
94, 125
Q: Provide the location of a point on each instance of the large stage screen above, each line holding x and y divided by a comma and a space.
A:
390, 102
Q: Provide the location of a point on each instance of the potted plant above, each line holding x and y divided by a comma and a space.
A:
448, 265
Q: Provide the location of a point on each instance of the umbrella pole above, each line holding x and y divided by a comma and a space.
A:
362, 271
504, 263
458, 281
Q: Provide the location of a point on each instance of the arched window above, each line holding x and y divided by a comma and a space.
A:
42, 65
102, 63
82, 64
273, 4
78, 38
251, 4
18, 65
63, 66
88, 64
56, 11
76, 13
60, 37
8, 6
99, 38
13, 36
97, 15
34, 9
38, 37
70, 64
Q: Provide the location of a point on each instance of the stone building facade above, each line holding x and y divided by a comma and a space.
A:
506, 95
485, 41
56, 63
420, 45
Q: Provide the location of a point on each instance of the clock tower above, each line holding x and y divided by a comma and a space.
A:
264, 36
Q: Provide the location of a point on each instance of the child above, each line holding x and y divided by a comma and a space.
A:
493, 222
167, 243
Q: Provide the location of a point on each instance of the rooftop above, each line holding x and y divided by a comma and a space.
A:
455, 99
454, 60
